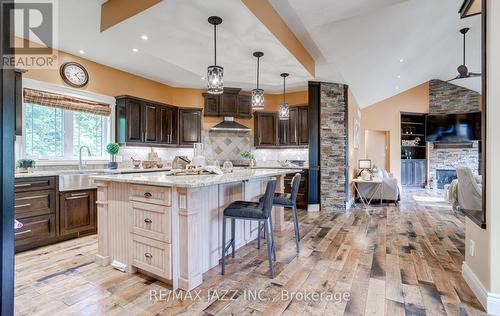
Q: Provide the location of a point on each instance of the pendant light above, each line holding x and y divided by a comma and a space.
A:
257, 93
215, 74
284, 113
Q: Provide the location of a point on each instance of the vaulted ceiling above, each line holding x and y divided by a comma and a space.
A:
378, 47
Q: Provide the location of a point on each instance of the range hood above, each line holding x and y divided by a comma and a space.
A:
229, 125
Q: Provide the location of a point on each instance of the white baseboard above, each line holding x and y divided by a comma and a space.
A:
490, 301
313, 208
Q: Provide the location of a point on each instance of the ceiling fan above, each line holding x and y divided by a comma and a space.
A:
463, 71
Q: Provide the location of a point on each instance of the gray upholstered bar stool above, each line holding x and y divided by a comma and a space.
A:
289, 200
254, 211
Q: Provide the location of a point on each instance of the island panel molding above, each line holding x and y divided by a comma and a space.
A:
190, 212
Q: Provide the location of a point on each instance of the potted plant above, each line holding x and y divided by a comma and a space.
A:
250, 156
25, 165
112, 149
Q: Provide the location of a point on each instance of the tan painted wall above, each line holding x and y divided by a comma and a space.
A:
354, 153
113, 82
386, 116
486, 262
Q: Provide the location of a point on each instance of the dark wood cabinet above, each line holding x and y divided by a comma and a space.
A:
413, 172
150, 124
167, 125
266, 129
302, 197
49, 216
189, 126
78, 212
211, 104
291, 132
302, 130
244, 106
35, 205
134, 121
229, 103
141, 122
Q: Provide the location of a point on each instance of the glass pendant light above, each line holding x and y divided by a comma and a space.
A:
258, 94
284, 113
215, 74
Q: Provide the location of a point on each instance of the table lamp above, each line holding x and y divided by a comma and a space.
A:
365, 165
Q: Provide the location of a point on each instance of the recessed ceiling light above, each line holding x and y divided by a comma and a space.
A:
402, 60
144, 37
399, 76
81, 51
135, 50
202, 78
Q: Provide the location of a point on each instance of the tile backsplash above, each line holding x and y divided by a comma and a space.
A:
218, 145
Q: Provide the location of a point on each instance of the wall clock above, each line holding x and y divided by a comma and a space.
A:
74, 74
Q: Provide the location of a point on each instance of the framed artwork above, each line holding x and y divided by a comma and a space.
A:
357, 128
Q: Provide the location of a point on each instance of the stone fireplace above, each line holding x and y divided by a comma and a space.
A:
447, 98
444, 177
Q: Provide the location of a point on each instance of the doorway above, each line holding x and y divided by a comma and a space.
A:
377, 148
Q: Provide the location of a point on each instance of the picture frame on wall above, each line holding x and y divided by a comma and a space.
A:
357, 128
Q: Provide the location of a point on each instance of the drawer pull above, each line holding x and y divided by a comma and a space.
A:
22, 205
148, 220
148, 255
22, 185
78, 194
23, 232
147, 195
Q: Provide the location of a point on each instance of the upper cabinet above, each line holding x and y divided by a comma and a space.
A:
292, 132
266, 129
141, 122
189, 126
230, 103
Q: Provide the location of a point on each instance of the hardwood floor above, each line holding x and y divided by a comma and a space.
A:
401, 260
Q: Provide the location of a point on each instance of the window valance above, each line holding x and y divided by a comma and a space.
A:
65, 102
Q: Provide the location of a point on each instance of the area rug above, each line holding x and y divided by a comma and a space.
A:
432, 201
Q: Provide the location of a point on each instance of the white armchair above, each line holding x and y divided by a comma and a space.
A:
469, 190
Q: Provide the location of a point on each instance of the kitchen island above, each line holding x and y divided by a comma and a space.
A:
170, 227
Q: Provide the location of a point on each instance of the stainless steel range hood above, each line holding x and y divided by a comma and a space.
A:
229, 125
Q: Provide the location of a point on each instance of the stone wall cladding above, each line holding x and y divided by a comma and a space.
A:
447, 98
333, 146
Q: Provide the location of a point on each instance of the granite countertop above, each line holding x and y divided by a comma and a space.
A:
50, 173
163, 179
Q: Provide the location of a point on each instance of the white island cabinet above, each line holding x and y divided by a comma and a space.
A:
171, 226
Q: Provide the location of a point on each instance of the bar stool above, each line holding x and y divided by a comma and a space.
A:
288, 200
254, 211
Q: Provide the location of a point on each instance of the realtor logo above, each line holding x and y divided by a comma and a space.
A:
31, 36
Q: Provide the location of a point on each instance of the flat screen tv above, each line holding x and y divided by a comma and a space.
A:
453, 128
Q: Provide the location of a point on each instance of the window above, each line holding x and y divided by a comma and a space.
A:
54, 133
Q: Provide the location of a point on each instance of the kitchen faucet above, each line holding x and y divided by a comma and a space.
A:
80, 156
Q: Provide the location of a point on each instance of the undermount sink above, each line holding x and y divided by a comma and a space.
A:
77, 181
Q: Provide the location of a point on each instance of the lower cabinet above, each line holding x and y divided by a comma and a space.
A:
49, 216
302, 196
414, 172
77, 212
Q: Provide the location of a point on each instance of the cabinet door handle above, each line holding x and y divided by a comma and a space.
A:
22, 205
148, 220
23, 232
147, 195
148, 255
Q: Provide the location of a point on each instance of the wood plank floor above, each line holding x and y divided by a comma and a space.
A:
400, 260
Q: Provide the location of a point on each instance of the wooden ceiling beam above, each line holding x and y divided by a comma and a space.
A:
265, 12
116, 11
